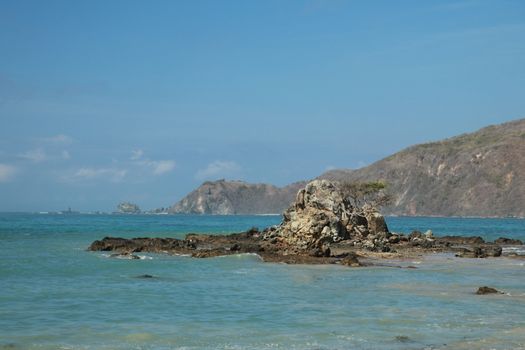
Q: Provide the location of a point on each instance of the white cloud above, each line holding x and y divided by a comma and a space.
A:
218, 168
109, 174
162, 166
136, 154
7, 172
60, 138
158, 167
36, 155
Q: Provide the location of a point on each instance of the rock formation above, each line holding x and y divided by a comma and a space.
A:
320, 216
322, 226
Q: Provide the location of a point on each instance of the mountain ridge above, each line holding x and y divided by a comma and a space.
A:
480, 173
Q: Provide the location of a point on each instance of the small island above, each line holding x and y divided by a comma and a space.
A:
128, 208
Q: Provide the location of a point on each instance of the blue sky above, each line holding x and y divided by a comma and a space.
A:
105, 101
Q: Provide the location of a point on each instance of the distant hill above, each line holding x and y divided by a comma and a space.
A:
237, 197
476, 174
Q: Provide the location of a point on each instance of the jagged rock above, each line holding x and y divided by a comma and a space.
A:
376, 222
321, 215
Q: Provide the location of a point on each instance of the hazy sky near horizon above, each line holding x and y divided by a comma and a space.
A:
106, 101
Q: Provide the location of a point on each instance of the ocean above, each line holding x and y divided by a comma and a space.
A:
57, 295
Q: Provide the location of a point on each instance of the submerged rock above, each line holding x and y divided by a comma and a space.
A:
125, 255
508, 241
462, 240
351, 260
484, 251
403, 339
487, 290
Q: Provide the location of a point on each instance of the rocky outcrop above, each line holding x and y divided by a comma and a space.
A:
320, 216
322, 226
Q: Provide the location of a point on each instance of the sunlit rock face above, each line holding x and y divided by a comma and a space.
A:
321, 215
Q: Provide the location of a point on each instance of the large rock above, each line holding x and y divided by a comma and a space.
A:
321, 215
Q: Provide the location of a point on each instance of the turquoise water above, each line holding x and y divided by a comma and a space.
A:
56, 295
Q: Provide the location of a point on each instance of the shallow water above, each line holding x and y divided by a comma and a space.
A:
55, 294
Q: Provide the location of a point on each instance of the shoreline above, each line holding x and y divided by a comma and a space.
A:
347, 252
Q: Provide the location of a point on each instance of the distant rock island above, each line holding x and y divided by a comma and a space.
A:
237, 197
475, 174
128, 208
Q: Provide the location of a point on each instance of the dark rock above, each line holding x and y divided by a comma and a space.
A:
480, 252
125, 255
208, 253
414, 235
320, 252
508, 241
461, 240
145, 276
487, 290
427, 243
376, 222
416, 241
351, 260
403, 339
235, 247
493, 251
9, 346
394, 239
